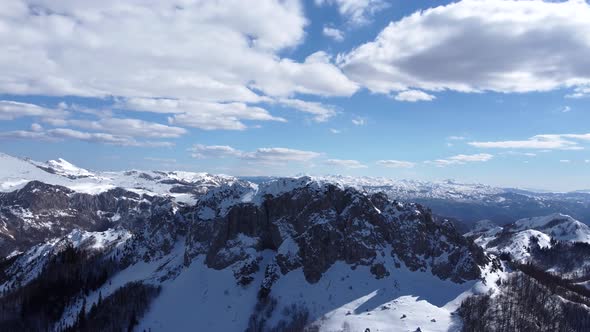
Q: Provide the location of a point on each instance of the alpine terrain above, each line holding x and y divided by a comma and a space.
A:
159, 251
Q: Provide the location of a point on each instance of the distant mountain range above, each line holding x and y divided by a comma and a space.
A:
466, 202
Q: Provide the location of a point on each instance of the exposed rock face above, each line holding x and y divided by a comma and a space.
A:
315, 225
40, 211
256, 233
275, 229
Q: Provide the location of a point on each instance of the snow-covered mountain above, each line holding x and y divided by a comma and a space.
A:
558, 226
470, 202
540, 240
463, 201
165, 251
283, 254
411, 189
181, 186
546, 264
64, 168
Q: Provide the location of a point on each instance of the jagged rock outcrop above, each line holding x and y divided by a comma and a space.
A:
317, 224
40, 211
259, 235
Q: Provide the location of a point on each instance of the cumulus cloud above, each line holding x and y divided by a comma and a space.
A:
461, 159
36, 127
106, 129
357, 12
456, 138
580, 92
10, 110
151, 49
24, 134
469, 46
280, 155
413, 96
396, 163
345, 163
359, 121
320, 112
316, 75
333, 33
543, 142
130, 127
201, 151
274, 155
203, 115
60, 134
517, 153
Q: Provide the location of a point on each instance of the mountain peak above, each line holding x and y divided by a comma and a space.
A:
65, 168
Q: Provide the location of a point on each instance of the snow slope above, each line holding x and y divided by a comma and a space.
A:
516, 238
16, 172
345, 299
518, 244
28, 265
559, 226
64, 168
411, 189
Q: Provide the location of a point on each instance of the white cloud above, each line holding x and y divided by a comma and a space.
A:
469, 46
566, 109
316, 75
207, 51
396, 163
36, 127
565, 161
280, 155
517, 153
356, 11
203, 115
456, 138
65, 133
584, 137
119, 131
214, 151
335, 131
414, 96
580, 92
321, 112
587, 161
275, 155
130, 127
359, 121
345, 163
461, 159
10, 110
333, 33
547, 141
24, 134
61, 134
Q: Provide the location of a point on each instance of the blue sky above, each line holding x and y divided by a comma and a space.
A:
480, 91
